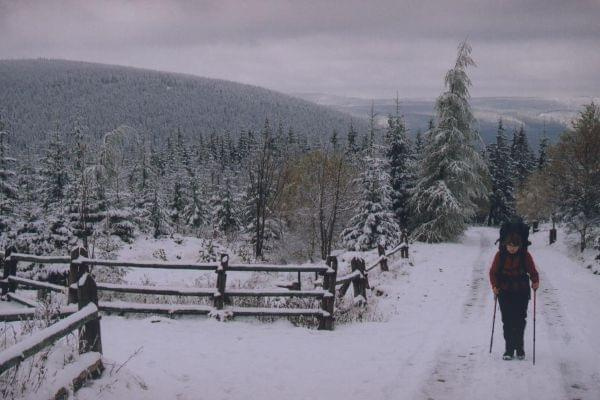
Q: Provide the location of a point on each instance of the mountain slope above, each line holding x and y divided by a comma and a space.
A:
39, 95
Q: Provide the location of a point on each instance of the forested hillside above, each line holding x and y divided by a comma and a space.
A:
37, 96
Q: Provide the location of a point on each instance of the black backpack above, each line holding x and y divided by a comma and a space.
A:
520, 228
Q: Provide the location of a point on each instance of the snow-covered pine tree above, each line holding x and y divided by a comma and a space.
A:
451, 174
374, 222
500, 166
522, 156
54, 171
398, 153
542, 160
291, 142
158, 215
224, 210
196, 212
419, 146
333, 140
177, 203
263, 183
370, 141
8, 190
351, 141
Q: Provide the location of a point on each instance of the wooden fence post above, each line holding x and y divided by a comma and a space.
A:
552, 235
404, 241
90, 338
221, 271
384, 262
10, 268
75, 272
361, 283
328, 301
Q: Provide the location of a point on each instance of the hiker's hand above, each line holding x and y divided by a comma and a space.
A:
535, 285
495, 290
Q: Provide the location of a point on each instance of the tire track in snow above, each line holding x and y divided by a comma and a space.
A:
455, 361
479, 288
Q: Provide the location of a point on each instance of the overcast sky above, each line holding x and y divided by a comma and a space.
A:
544, 48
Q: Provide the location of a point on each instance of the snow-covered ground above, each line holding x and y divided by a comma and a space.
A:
433, 342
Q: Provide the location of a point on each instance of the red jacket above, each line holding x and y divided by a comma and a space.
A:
510, 276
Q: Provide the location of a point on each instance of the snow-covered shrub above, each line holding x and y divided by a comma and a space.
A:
125, 230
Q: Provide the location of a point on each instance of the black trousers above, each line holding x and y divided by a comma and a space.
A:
513, 306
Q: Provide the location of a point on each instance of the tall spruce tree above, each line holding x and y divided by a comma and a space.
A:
542, 160
54, 171
500, 166
224, 210
401, 166
374, 222
522, 156
419, 146
451, 173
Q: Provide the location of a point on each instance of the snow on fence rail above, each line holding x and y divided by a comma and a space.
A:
80, 264
87, 321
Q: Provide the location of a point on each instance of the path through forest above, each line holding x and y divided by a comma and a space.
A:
434, 344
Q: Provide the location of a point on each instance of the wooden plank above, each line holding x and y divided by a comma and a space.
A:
276, 312
46, 337
147, 264
170, 309
274, 293
22, 300
395, 250
276, 268
158, 290
37, 284
40, 259
17, 315
28, 313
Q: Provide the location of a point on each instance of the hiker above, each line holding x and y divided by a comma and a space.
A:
510, 273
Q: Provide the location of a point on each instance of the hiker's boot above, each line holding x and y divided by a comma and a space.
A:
521, 354
508, 355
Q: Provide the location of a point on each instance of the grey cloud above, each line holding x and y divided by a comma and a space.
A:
347, 47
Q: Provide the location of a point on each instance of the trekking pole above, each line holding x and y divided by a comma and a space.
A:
534, 296
494, 322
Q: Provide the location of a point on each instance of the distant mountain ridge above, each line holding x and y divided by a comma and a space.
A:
39, 95
537, 115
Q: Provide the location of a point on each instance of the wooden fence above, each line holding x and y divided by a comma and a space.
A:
220, 294
87, 321
79, 264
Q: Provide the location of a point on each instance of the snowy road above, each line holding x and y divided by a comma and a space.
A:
434, 345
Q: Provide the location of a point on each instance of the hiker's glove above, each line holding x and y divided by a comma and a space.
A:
535, 285
495, 290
